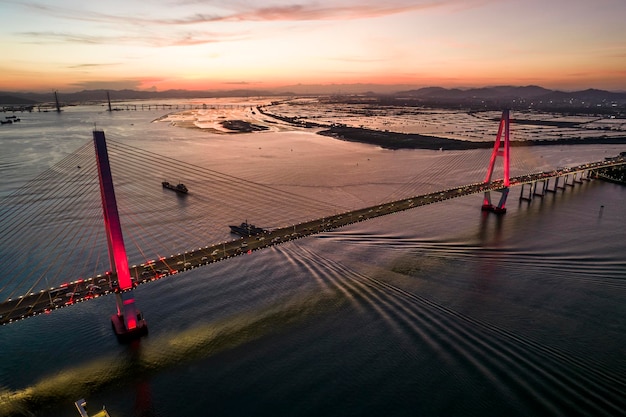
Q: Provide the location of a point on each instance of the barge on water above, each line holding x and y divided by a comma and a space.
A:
179, 188
246, 230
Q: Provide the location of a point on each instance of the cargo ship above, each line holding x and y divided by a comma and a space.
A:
245, 230
179, 188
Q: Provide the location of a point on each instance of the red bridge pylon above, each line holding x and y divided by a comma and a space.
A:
128, 323
502, 150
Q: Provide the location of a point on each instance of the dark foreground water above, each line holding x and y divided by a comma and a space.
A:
437, 311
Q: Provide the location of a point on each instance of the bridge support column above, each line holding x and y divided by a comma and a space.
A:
504, 153
542, 187
528, 197
128, 323
577, 181
585, 175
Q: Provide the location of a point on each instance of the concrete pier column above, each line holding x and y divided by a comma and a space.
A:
528, 197
540, 188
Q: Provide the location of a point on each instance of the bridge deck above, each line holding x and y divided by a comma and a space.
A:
47, 300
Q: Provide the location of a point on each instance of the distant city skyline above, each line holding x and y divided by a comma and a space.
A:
70, 46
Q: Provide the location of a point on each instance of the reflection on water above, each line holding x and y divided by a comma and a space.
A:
156, 354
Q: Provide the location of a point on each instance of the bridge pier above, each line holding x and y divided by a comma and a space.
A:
500, 208
535, 189
543, 188
577, 181
128, 323
522, 197
585, 175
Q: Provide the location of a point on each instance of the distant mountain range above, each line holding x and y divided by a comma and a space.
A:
530, 92
429, 95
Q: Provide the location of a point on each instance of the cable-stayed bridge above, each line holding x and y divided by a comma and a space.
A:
55, 250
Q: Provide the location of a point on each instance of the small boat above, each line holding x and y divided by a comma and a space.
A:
179, 188
81, 406
245, 230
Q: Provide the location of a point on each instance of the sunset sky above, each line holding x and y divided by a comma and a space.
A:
71, 45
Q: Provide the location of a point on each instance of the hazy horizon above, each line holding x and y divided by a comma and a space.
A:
331, 88
275, 44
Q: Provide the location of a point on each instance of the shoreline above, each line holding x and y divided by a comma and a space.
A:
233, 124
395, 141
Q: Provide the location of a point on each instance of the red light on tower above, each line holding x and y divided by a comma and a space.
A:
504, 152
127, 323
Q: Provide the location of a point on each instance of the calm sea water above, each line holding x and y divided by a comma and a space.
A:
437, 311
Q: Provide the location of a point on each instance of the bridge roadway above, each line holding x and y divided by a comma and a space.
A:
44, 301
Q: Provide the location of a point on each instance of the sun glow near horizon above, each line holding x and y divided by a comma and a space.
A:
202, 45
